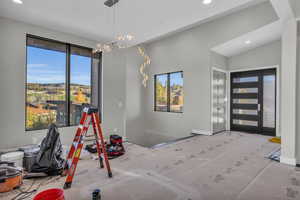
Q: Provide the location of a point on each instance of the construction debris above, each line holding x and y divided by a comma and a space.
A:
49, 159
10, 176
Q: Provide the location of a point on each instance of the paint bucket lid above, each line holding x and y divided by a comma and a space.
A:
28, 147
12, 156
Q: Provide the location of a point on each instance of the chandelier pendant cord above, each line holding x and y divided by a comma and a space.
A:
119, 41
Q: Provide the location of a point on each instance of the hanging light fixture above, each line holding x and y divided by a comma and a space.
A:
143, 66
120, 41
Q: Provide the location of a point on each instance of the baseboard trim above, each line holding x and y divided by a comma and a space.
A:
201, 132
288, 161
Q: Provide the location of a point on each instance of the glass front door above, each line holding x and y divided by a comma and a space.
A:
253, 101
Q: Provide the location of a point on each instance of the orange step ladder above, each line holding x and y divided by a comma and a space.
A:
89, 115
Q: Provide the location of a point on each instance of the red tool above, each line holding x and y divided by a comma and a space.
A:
115, 148
89, 114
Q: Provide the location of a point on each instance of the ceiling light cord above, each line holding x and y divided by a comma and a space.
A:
119, 41
114, 22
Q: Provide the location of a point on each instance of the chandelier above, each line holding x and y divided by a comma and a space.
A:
119, 41
143, 66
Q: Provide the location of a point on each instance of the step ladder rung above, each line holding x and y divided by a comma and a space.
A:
89, 115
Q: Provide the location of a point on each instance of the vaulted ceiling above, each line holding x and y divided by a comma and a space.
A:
271, 32
144, 19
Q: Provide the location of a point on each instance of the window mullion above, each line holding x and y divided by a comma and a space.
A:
68, 74
155, 92
169, 94
91, 79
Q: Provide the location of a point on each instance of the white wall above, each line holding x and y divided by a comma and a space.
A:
264, 56
12, 85
295, 5
288, 93
218, 61
114, 92
190, 51
135, 98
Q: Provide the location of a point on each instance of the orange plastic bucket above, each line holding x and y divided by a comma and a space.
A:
51, 194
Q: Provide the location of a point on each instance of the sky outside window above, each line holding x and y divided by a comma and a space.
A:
45, 66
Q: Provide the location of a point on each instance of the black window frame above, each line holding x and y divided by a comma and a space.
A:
68, 78
168, 92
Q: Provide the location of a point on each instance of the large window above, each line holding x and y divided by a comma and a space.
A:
169, 92
80, 82
59, 78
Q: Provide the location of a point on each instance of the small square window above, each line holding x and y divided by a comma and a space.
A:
169, 92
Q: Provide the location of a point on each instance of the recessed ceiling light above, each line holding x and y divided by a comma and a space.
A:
248, 42
206, 2
18, 1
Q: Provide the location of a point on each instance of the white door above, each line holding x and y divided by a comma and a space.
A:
219, 111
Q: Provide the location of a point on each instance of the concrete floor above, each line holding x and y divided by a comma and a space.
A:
226, 166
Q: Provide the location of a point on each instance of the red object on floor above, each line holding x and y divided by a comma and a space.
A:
51, 194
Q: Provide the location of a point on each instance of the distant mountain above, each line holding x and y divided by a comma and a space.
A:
54, 84
46, 84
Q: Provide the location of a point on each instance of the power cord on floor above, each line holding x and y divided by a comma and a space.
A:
22, 193
25, 195
28, 192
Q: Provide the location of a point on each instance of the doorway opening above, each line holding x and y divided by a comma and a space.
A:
253, 101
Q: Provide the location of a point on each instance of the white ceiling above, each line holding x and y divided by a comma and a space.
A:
264, 35
145, 19
259, 37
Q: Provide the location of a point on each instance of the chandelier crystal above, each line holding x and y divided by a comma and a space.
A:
120, 42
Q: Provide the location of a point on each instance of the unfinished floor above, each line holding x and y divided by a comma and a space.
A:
226, 166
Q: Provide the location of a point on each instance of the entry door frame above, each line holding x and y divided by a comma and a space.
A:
227, 98
278, 86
